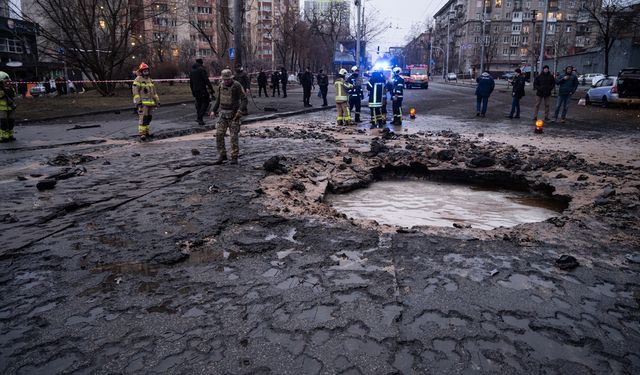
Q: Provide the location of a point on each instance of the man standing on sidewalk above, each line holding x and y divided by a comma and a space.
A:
306, 80
275, 83
284, 78
517, 93
201, 89
485, 87
232, 102
567, 85
323, 83
262, 83
543, 84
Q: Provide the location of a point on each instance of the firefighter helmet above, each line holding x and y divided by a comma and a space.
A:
397, 70
343, 72
355, 68
4, 76
142, 67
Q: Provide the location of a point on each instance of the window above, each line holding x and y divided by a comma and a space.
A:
505, 39
10, 45
513, 51
505, 51
161, 8
523, 52
204, 52
476, 39
568, 28
516, 27
508, 4
205, 24
525, 29
525, 40
499, 3
551, 28
204, 10
528, 4
507, 15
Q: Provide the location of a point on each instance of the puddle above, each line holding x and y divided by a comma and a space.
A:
441, 204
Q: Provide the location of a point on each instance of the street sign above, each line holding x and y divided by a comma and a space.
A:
232, 53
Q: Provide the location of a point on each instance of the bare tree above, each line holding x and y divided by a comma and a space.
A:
613, 19
96, 36
330, 24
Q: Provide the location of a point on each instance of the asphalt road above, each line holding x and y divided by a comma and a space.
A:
146, 258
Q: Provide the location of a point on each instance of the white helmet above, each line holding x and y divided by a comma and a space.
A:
397, 70
343, 72
4, 76
354, 68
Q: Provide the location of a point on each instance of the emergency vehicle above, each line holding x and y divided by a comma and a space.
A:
416, 76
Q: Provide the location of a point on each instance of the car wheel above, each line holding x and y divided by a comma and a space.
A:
587, 100
605, 102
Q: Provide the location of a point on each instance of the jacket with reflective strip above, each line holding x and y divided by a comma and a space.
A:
6, 95
398, 86
376, 92
144, 91
341, 90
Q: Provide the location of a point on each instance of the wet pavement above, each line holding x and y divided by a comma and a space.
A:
146, 258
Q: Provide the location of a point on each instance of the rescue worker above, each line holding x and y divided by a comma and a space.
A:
397, 93
323, 83
232, 103
145, 99
7, 109
262, 83
306, 80
375, 86
355, 94
342, 98
388, 87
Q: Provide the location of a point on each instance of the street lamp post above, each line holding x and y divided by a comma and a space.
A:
544, 34
430, 50
448, 42
358, 4
482, 41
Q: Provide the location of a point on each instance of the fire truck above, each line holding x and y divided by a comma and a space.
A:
416, 76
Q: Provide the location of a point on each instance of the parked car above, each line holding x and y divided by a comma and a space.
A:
38, 90
508, 75
588, 79
452, 77
624, 89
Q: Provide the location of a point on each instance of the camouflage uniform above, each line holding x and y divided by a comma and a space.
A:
232, 104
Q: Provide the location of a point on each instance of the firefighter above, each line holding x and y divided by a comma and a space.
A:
146, 99
388, 87
342, 98
355, 94
232, 101
7, 109
375, 86
397, 92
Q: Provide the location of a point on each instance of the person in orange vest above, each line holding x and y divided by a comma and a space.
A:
7, 109
145, 99
342, 98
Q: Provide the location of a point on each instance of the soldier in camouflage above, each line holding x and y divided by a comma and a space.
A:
232, 104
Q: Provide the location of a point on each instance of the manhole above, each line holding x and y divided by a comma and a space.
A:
430, 203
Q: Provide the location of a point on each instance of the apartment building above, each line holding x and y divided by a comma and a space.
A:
512, 33
18, 48
264, 19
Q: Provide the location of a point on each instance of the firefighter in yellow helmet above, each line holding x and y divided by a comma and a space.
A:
7, 109
146, 99
342, 98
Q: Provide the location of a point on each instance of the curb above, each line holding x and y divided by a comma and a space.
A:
101, 112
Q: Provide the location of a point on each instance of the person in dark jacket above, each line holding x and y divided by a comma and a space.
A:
543, 84
323, 83
355, 93
284, 79
243, 79
485, 87
567, 85
275, 83
262, 83
306, 80
517, 92
201, 89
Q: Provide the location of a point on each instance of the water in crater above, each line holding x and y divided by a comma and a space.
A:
428, 203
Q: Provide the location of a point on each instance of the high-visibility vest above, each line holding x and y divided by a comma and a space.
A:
376, 93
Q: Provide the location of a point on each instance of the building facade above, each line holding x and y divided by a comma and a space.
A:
18, 44
263, 22
512, 33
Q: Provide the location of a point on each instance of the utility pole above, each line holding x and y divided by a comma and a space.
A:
238, 5
358, 32
534, 14
544, 34
430, 50
482, 41
446, 69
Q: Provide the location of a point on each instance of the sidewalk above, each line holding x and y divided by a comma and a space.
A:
168, 121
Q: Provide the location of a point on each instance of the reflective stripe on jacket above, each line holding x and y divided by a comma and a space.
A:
144, 92
6, 96
341, 90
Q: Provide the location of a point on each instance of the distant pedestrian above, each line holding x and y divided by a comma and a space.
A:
22, 88
262, 83
284, 78
485, 87
543, 84
275, 83
306, 80
567, 85
517, 92
201, 89
323, 84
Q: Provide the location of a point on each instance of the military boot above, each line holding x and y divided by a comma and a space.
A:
221, 159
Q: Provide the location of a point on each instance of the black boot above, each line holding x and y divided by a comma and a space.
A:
220, 160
